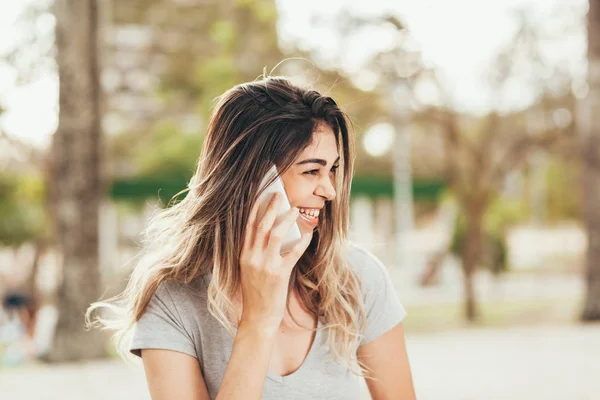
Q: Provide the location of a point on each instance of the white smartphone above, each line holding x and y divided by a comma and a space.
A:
293, 236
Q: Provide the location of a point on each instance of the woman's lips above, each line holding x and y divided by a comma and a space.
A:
312, 222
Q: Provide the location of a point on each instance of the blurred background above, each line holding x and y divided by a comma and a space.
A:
476, 178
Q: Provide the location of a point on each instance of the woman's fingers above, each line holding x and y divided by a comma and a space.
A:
249, 232
266, 222
279, 232
291, 258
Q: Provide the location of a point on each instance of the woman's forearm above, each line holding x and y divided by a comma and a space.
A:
247, 368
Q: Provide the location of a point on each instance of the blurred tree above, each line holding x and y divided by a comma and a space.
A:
480, 154
482, 151
501, 215
23, 208
77, 187
591, 137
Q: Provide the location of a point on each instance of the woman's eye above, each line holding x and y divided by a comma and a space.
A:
316, 171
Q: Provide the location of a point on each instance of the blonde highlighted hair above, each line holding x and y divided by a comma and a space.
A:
253, 125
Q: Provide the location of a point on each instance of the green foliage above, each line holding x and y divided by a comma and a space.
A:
223, 33
213, 77
264, 11
224, 46
168, 153
501, 215
563, 202
22, 214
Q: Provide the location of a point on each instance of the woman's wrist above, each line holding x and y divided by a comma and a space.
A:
259, 329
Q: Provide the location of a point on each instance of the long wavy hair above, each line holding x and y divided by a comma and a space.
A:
253, 125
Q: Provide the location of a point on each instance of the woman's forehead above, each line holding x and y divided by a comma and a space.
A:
323, 145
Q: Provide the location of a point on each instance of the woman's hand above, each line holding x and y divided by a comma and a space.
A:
265, 274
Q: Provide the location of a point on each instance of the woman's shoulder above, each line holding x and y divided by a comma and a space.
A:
361, 259
382, 306
181, 293
369, 269
172, 319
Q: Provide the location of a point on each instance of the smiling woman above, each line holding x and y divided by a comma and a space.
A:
307, 187
214, 309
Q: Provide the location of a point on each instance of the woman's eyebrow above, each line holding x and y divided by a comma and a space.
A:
316, 161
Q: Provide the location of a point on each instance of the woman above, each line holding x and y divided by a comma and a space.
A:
215, 311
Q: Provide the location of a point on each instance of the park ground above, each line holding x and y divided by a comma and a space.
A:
535, 362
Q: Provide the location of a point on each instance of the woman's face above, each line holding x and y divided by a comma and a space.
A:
310, 181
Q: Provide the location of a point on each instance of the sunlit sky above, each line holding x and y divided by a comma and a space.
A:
458, 37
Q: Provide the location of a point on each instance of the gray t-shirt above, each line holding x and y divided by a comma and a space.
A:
177, 318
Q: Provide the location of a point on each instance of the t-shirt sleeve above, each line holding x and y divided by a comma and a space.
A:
161, 327
383, 309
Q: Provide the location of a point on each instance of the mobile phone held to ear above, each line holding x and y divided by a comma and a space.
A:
293, 236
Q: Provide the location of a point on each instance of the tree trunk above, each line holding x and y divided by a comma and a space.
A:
471, 255
76, 168
591, 131
30, 284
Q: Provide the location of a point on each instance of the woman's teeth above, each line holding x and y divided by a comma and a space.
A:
309, 214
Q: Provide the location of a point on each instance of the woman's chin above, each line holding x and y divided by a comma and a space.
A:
307, 226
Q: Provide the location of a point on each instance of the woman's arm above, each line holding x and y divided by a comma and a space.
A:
387, 358
174, 375
249, 362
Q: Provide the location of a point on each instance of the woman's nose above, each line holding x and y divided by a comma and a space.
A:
326, 189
